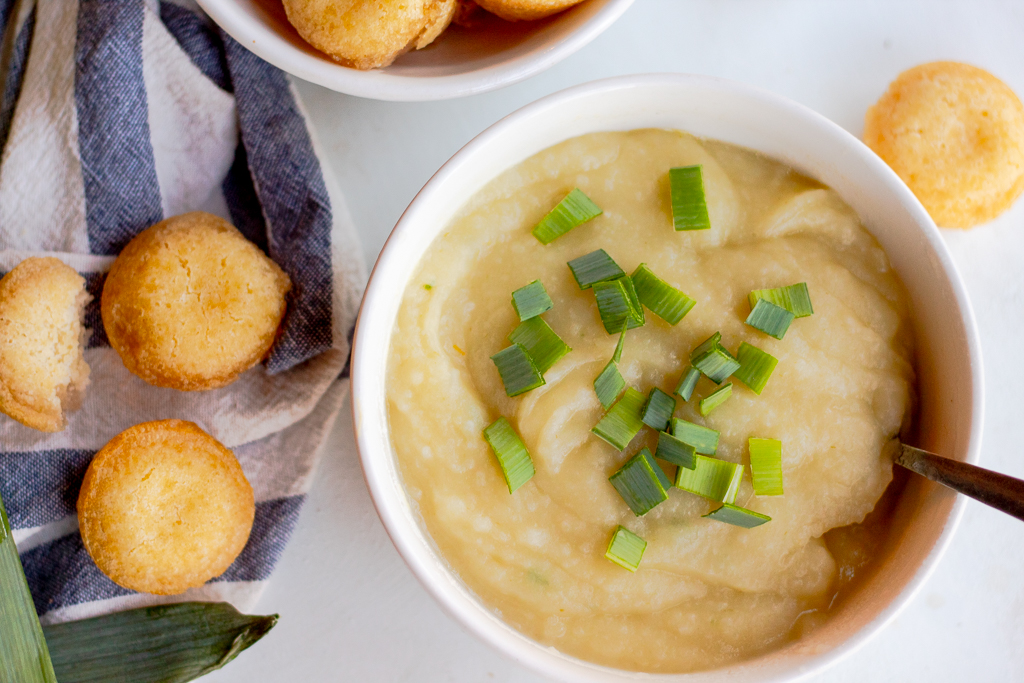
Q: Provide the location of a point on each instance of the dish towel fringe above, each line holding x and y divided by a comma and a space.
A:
115, 115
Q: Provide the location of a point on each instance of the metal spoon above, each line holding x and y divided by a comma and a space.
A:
996, 490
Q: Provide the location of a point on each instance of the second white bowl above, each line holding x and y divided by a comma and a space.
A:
461, 62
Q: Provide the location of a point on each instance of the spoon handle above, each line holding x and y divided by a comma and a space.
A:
1000, 491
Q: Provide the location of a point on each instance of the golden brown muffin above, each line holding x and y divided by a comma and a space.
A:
42, 371
366, 34
526, 10
164, 507
955, 135
438, 15
190, 303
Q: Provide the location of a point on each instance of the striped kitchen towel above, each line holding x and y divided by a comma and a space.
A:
114, 115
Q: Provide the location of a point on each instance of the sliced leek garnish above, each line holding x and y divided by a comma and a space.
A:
513, 458
626, 549
641, 483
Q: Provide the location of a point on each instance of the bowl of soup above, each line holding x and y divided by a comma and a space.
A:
890, 351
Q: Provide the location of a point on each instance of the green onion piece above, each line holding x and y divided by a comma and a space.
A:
609, 384
737, 516
766, 466
24, 657
616, 305
664, 300
531, 300
794, 298
771, 319
622, 422
518, 372
617, 356
636, 311
575, 209
704, 439
626, 549
756, 367
671, 449
689, 206
540, 341
160, 644
711, 358
708, 344
711, 478
688, 383
798, 300
658, 409
509, 449
715, 399
642, 483
597, 266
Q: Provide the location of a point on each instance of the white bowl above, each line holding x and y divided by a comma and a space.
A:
460, 62
948, 350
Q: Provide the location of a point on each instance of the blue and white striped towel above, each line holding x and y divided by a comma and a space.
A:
114, 115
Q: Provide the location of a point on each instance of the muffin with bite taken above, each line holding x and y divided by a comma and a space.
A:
43, 374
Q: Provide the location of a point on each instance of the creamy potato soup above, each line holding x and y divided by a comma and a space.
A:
706, 593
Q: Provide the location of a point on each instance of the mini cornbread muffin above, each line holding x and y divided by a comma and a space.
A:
42, 372
164, 507
526, 10
955, 135
190, 303
366, 34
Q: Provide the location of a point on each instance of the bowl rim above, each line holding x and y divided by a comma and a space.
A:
378, 84
475, 618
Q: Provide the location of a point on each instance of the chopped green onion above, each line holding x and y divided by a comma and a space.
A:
518, 372
671, 449
712, 478
642, 483
158, 644
715, 399
622, 422
658, 409
688, 383
771, 319
636, 311
617, 356
531, 300
575, 209
664, 300
689, 206
626, 549
737, 516
617, 304
794, 298
24, 657
609, 384
704, 439
428, 287
509, 449
597, 266
756, 366
540, 341
766, 466
708, 344
711, 358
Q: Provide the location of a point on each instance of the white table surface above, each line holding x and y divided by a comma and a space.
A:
351, 610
